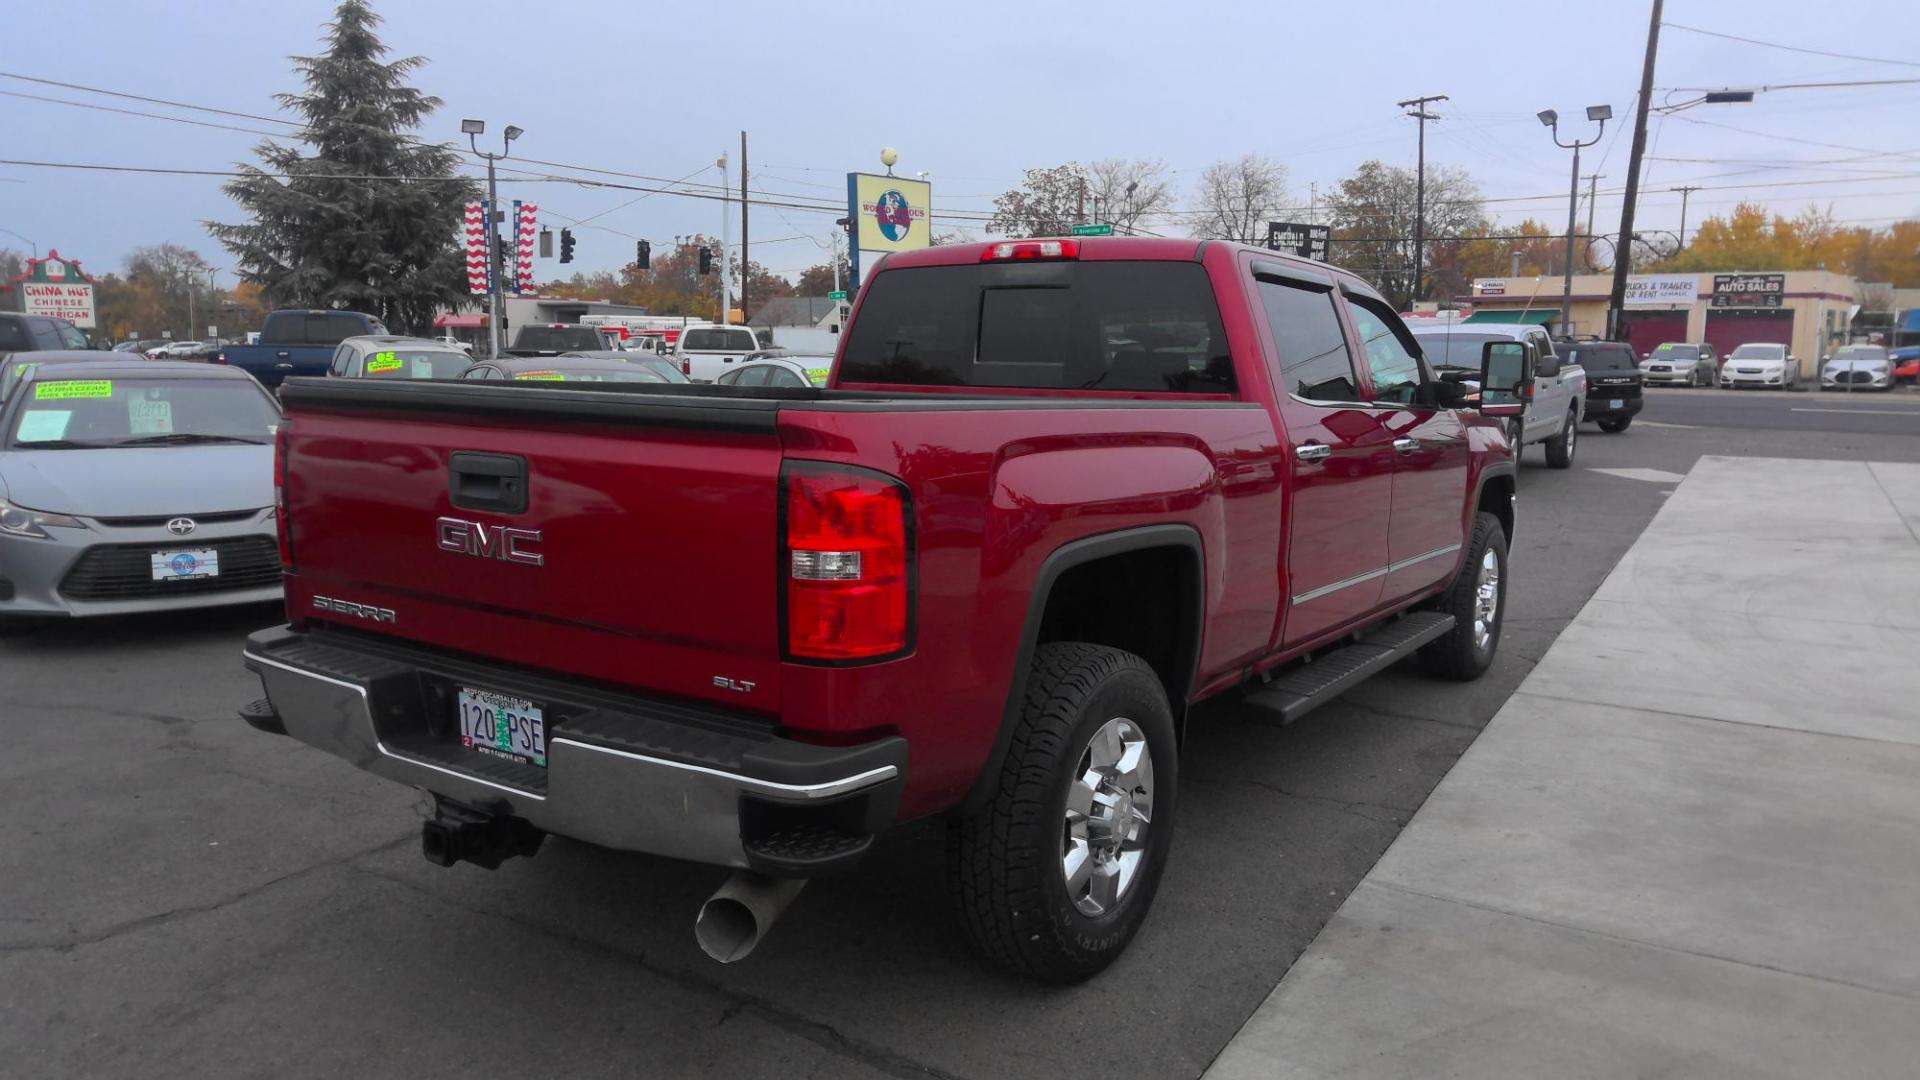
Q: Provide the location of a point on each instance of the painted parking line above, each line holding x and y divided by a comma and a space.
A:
1868, 412
1677, 427
1651, 476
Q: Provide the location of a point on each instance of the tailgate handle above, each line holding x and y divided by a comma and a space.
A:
497, 482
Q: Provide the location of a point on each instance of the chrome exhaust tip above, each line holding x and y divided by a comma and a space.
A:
738, 914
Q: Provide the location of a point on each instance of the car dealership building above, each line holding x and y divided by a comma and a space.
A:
1806, 310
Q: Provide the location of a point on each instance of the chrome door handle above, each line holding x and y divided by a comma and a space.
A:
1406, 444
1313, 451
284, 367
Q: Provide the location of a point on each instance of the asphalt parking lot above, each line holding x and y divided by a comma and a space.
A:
183, 896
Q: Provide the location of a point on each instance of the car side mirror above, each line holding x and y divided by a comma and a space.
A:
1503, 378
1548, 367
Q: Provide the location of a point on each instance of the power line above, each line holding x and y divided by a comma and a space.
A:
1790, 48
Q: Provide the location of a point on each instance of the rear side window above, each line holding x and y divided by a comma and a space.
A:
13, 336
1138, 326
1603, 357
1314, 361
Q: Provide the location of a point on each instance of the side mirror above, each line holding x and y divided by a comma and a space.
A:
1503, 378
1548, 366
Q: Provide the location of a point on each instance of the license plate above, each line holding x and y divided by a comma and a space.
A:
1616, 403
182, 565
504, 727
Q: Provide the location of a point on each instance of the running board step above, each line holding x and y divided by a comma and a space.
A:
1326, 677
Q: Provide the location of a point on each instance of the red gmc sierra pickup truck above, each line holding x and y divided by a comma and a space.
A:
1056, 493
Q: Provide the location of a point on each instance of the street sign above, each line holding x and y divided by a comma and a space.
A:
1305, 241
1093, 230
837, 294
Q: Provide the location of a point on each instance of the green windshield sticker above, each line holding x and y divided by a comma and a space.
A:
542, 376
73, 388
818, 375
21, 369
385, 361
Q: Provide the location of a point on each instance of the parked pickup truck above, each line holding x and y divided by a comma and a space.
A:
297, 342
1056, 493
552, 339
1557, 385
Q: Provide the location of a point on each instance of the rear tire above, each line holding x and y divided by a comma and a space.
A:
1615, 427
1040, 874
1477, 600
1560, 448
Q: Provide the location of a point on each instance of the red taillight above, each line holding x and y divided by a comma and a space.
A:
686, 366
847, 564
1023, 250
219, 358
282, 527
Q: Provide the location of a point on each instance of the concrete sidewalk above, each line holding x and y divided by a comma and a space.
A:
1688, 845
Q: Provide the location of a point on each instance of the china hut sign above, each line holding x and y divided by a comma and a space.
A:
57, 287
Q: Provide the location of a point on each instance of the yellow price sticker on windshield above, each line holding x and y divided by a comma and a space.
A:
542, 376
385, 361
818, 375
73, 388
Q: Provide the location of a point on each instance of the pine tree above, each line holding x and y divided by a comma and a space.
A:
371, 220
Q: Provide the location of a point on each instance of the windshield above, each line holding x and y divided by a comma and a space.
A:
1603, 357
71, 414
717, 340
1122, 325
636, 373
1760, 352
1862, 353
1455, 350
557, 338
416, 364
1677, 352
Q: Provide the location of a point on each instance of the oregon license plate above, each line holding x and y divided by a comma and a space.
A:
181, 565
1616, 403
503, 727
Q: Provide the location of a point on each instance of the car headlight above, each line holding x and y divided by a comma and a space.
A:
20, 521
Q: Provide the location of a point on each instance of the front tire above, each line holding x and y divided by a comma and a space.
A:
1615, 427
1477, 600
1560, 448
1054, 875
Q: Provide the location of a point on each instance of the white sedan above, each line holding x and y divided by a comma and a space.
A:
1760, 364
1858, 367
784, 369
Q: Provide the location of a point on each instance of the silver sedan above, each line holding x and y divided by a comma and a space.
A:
135, 486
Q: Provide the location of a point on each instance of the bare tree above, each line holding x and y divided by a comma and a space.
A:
1048, 204
1237, 198
1373, 227
1128, 193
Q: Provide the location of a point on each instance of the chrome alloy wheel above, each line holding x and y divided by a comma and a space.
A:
1109, 809
1486, 599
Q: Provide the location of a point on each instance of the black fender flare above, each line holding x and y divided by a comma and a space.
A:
1064, 558
1489, 472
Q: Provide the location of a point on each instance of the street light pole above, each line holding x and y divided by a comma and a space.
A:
473, 129
29, 243
1551, 119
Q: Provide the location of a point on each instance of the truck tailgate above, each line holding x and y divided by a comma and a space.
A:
645, 555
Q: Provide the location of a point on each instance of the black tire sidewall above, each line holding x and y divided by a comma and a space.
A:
1133, 693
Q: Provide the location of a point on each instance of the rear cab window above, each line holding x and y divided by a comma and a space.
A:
1604, 358
1135, 326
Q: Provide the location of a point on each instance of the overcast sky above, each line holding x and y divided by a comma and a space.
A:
971, 93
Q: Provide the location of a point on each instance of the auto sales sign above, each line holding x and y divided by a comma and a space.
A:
57, 287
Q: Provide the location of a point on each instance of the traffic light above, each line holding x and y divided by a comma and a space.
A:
566, 245
643, 255
706, 260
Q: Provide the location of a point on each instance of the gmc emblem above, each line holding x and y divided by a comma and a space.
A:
482, 541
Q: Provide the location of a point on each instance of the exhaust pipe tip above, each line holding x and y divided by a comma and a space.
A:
735, 919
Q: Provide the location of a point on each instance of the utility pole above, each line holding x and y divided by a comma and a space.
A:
1593, 183
744, 264
1420, 113
1623, 261
1080, 205
726, 242
1684, 192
